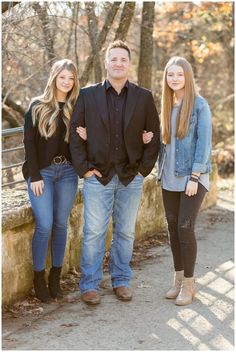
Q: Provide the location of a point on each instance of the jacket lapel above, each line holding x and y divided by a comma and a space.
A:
101, 100
131, 101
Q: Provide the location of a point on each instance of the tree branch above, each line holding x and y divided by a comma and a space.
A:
100, 41
125, 20
48, 37
7, 5
13, 105
13, 117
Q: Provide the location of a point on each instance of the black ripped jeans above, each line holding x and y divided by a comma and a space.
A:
181, 213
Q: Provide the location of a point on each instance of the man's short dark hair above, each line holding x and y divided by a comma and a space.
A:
118, 44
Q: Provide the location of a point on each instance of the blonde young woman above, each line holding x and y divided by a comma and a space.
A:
52, 181
184, 167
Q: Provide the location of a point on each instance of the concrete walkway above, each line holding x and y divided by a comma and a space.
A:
149, 321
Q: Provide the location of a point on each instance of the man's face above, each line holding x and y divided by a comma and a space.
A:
117, 64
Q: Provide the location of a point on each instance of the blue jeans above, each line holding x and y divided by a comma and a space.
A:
100, 202
51, 211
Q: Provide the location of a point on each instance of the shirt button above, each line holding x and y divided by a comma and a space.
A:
117, 148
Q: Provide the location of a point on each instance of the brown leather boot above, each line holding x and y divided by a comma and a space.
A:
187, 292
174, 291
91, 297
123, 293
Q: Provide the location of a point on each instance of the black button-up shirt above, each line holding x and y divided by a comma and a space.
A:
118, 158
116, 110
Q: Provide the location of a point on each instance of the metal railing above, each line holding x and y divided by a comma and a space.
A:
8, 133
11, 132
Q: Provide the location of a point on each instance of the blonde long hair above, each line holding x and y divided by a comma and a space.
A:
46, 111
167, 101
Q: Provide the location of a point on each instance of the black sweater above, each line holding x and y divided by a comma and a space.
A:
39, 151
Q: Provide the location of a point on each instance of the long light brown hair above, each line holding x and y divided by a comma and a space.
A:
168, 97
45, 112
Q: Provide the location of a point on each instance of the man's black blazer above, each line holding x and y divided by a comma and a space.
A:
91, 112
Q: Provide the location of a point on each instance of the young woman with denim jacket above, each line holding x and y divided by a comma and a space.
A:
52, 181
184, 166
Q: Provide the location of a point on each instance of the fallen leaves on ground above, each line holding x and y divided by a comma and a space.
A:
141, 247
70, 281
31, 306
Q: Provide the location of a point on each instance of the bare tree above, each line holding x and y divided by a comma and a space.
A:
100, 41
146, 45
125, 20
93, 34
73, 31
48, 35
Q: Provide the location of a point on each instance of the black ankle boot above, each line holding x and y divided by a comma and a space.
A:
54, 282
40, 287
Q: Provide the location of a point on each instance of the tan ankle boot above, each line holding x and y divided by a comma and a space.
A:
187, 292
174, 291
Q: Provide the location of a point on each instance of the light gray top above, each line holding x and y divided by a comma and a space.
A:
169, 181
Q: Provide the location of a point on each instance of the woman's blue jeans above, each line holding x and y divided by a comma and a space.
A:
100, 202
51, 211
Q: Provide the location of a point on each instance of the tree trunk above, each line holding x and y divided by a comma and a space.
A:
125, 20
73, 25
47, 32
100, 41
146, 45
75, 35
93, 34
192, 36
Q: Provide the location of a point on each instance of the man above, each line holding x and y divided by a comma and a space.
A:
113, 162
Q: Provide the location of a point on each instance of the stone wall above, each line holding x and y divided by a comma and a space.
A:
18, 227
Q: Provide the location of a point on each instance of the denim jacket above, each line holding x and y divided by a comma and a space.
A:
193, 152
